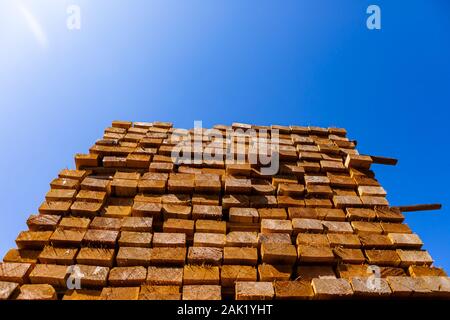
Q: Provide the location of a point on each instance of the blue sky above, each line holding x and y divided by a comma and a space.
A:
262, 62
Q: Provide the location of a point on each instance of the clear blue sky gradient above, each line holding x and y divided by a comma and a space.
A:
262, 62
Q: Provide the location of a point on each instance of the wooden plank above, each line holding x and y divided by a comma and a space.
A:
254, 291
155, 292
201, 274
202, 292
290, 290
37, 292
127, 276
164, 276
326, 288
268, 272
15, 272
384, 160
420, 207
125, 293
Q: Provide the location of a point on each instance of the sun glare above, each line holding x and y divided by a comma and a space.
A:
34, 25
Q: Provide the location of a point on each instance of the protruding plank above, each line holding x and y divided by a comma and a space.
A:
384, 160
420, 207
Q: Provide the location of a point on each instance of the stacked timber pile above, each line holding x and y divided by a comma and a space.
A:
130, 223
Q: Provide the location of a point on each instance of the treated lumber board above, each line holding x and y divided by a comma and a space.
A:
7, 289
229, 274
418, 271
243, 215
82, 294
22, 256
210, 226
73, 174
363, 287
37, 292
362, 227
272, 213
120, 293
133, 256
242, 239
408, 287
91, 196
202, 292
103, 238
166, 239
52, 274
117, 211
306, 225
395, 227
96, 257
206, 199
106, 223
55, 207
93, 276
337, 227
405, 240
63, 256
384, 160
135, 239
268, 272
15, 272
156, 292
313, 254
375, 241
127, 276
201, 275
43, 222
152, 186
240, 256
146, 209
328, 288
313, 239
206, 212
349, 271
33, 239
414, 257
209, 240
168, 256
347, 255
65, 183
345, 240
207, 255
382, 257
331, 214
74, 223
137, 224
60, 195
314, 271
179, 225
276, 226
278, 253
249, 290
419, 207
85, 209
164, 276
293, 290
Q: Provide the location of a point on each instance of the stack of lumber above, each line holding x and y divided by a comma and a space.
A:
134, 224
